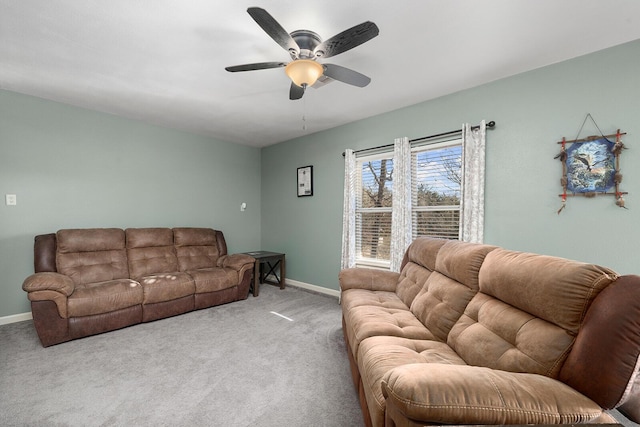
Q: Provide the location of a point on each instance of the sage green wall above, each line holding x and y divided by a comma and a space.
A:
71, 167
533, 111
74, 168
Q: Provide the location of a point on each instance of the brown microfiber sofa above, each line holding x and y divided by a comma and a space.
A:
89, 281
476, 334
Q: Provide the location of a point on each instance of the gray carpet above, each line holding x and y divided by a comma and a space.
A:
233, 365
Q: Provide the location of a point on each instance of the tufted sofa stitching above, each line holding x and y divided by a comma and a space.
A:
561, 405
367, 321
562, 291
86, 267
577, 416
546, 363
552, 417
432, 308
498, 392
412, 282
358, 297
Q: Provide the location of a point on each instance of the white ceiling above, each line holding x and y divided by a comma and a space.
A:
162, 61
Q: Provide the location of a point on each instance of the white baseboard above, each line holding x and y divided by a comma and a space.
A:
310, 287
15, 318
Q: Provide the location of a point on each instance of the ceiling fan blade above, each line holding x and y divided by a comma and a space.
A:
256, 66
273, 29
347, 39
295, 92
346, 75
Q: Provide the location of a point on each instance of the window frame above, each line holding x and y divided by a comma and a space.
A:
361, 261
388, 154
440, 208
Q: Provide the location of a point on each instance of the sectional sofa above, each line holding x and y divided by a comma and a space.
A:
476, 334
89, 281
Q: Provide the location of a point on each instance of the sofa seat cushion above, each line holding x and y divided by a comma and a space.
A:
359, 297
104, 297
371, 321
468, 395
378, 355
213, 279
167, 287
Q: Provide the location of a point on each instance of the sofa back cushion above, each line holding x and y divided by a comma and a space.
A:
92, 255
528, 311
196, 248
420, 261
150, 251
448, 290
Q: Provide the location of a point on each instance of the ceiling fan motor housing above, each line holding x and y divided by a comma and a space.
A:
308, 41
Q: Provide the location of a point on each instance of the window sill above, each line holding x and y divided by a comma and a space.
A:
370, 263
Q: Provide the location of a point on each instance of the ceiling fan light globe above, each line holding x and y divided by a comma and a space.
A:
304, 72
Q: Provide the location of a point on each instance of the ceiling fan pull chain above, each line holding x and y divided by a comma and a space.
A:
304, 114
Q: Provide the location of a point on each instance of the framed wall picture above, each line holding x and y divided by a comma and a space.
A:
591, 166
305, 181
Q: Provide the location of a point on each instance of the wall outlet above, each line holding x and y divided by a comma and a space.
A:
10, 199
243, 207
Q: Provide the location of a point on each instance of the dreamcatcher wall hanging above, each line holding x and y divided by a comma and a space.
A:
591, 166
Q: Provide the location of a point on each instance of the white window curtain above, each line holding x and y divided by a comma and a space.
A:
349, 211
471, 204
473, 170
401, 203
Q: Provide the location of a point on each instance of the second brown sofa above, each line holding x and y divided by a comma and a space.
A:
89, 281
475, 334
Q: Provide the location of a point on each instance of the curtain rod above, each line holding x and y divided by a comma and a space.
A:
489, 125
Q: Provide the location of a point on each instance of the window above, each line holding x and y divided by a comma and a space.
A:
436, 181
434, 187
374, 192
435, 194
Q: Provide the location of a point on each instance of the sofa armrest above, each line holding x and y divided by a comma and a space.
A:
49, 282
452, 394
235, 261
368, 278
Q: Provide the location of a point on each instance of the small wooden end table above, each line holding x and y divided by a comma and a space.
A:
264, 260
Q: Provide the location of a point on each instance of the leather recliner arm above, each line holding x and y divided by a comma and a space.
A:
235, 261
49, 282
50, 286
453, 394
238, 262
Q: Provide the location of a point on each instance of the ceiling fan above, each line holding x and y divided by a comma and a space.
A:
305, 48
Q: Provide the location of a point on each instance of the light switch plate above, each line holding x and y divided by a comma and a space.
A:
10, 199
